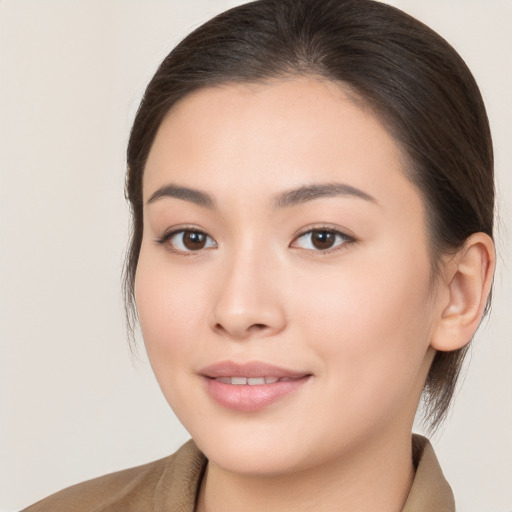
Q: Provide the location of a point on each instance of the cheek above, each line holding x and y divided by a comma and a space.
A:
371, 327
372, 295
169, 305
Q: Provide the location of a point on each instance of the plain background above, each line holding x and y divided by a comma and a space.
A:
74, 403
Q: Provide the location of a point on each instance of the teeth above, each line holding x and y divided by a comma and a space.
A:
251, 381
225, 380
256, 381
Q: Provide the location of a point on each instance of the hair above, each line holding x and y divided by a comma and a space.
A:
410, 77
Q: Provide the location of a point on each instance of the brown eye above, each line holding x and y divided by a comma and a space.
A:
321, 240
188, 240
194, 240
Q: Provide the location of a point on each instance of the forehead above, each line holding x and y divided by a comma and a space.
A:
276, 135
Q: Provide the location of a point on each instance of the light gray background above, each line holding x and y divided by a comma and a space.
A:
73, 405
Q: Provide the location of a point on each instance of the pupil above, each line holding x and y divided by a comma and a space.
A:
323, 239
194, 241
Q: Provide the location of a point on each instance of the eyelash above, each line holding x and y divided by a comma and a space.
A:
340, 239
168, 236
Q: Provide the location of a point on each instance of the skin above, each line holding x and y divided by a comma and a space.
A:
362, 318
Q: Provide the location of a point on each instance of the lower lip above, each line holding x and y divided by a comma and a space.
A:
248, 398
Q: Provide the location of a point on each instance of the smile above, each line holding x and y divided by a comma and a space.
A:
252, 386
252, 381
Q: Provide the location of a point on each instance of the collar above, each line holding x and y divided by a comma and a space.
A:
179, 484
430, 490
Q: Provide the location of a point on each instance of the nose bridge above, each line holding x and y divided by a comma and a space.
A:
248, 301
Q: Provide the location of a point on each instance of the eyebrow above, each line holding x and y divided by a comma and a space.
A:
286, 199
186, 194
310, 192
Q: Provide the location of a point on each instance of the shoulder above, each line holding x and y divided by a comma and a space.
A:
105, 492
153, 486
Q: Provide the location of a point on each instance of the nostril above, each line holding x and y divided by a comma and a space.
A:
218, 327
257, 327
242, 331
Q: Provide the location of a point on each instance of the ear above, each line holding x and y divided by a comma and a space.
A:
467, 282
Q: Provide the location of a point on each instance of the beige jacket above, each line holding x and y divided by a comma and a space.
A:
171, 485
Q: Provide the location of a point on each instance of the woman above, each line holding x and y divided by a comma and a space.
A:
312, 194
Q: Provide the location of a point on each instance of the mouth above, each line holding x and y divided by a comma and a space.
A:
250, 387
252, 381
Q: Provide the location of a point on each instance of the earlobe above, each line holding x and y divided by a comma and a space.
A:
468, 282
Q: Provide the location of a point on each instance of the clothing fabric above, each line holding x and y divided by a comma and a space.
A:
171, 485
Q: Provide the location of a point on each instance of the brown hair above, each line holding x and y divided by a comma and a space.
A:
411, 78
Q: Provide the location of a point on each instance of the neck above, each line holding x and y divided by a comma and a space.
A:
378, 478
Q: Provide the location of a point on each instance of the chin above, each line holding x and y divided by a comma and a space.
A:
261, 450
254, 460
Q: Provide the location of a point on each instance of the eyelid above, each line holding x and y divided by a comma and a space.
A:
175, 230
337, 231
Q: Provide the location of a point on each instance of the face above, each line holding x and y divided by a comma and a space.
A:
284, 286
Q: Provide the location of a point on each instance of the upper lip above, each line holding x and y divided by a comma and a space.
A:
249, 369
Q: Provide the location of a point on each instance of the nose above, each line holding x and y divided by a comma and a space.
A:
249, 301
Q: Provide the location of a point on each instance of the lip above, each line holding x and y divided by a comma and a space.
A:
249, 369
250, 398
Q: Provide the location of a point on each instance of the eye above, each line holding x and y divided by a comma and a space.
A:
187, 240
322, 240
